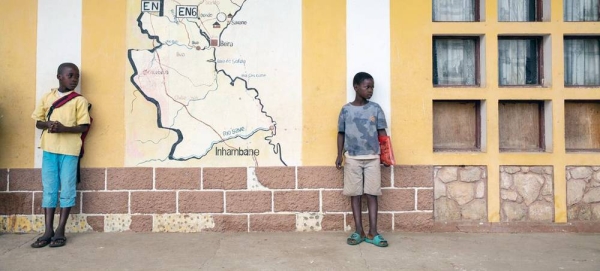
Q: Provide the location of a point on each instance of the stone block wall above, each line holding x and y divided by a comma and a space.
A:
218, 199
526, 193
415, 198
460, 193
583, 193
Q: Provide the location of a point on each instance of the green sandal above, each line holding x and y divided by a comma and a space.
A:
378, 241
355, 239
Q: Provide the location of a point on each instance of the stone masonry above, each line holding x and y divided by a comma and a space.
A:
583, 193
218, 199
526, 193
460, 193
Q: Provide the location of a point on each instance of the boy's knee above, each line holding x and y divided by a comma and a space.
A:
49, 200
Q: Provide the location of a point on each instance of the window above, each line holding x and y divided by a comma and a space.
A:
455, 61
519, 10
521, 125
455, 10
582, 61
581, 10
519, 61
582, 125
456, 126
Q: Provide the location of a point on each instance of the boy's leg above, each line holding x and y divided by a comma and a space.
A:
372, 191
356, 206
373, 209
46, 238
353, 187
373, 237
62, 223
68, 186
49, 220
51, 184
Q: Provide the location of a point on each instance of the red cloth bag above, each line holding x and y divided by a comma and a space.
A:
386, 152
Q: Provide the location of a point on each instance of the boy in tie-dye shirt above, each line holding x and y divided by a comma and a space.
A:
359, 125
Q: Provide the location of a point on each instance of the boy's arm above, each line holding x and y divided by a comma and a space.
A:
340, 148
57, 127
43, 124
39, 114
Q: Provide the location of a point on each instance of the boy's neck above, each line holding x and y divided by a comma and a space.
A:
359, 101
63, 90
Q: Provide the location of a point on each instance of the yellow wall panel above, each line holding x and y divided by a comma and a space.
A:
323, 78
103, 57
17, 87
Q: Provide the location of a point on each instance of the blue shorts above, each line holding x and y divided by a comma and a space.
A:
59, 171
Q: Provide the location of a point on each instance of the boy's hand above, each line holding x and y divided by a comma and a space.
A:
338, 162
56, 127
50, 126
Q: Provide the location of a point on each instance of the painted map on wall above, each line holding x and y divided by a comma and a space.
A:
214, 83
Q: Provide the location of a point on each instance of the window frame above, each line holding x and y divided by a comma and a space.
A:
476, 13
477, 57
539, 11
540, 60
575, 37
563, 17
538, 5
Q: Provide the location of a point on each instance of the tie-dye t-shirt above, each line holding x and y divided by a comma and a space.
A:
360, 125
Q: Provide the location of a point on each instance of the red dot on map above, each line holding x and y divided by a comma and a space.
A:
198, 48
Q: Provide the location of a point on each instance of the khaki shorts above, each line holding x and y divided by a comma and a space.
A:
362, 177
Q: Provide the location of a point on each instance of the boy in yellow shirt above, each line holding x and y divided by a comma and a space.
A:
61, 142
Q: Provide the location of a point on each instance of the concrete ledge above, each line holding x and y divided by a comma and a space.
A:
281, 222
517, 227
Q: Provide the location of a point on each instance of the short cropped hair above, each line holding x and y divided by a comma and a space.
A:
62, 66
360, 77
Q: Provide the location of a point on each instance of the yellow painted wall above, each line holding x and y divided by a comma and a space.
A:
323, 78
103, 63
412, 30
17, 85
